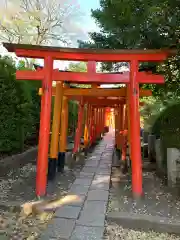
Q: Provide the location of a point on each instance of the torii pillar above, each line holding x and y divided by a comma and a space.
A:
135, 130
42, 161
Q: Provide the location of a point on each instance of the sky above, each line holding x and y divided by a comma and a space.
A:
88, 25
86, 6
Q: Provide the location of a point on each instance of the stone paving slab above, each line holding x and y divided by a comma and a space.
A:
70, 212
98, 195
106, 155
106, 159
90, 163
93, 157
83, 181
105, 166
105, 162
78, 189
89, 169
93, 214
91, 219
95, 206
85, 175
102, 171
99, 151
102, 178
59, 228
87, 233
84, 220
99, 185
45, 237
79, 203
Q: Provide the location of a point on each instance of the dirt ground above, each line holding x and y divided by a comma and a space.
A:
158, 200
18, 187
116, 232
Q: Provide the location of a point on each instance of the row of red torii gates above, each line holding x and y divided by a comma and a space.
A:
125, 101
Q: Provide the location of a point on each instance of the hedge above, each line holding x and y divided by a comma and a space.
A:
167, 127
20, 109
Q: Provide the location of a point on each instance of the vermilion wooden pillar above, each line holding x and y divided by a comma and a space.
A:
91, 118
135, 130
116, 127
128, 116
102, 121
45, 117
120, 125
98, 122
79, 127
103, 116
125, 127
89, 124
95, 125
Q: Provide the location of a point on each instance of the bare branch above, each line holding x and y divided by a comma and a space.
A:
39, 21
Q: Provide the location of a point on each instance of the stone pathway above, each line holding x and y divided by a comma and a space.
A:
86, 219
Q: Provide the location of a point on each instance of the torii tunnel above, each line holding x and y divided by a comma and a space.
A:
124, 101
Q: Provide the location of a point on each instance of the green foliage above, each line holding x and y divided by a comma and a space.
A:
19, 108
167, 127
73, 105
73, 116
141, 24
78, 67
150, 111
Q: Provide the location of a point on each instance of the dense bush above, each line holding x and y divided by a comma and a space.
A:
167, 127
73, 117
19, 108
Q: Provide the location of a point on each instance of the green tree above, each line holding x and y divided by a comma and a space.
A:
131, 24
78, 67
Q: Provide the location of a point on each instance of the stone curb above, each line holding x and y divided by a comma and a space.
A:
144, 222
18, 160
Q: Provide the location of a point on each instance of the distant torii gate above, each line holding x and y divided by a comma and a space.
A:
97, 103
47, 75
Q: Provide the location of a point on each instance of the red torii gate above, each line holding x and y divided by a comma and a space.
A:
47, 75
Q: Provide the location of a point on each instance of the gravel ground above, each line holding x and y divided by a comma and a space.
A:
158, 200
115, 232
18, 187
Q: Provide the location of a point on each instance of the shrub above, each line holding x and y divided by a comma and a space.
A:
167, 127
18, 107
